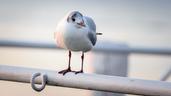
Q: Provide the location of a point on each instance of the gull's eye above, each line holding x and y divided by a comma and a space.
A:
73, 19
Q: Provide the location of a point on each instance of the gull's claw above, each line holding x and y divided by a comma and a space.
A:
81, 71
65, 71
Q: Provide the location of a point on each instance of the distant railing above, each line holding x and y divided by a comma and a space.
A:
100, 47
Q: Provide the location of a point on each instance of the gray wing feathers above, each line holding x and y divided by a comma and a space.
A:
92, 34
90, 23
92, 37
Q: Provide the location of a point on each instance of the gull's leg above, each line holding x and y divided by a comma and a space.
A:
69, 67
82, 60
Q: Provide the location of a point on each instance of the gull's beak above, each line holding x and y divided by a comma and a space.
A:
81, 24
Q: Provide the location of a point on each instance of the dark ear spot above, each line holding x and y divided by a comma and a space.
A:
68, 19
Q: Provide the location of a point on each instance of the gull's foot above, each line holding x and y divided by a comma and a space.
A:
81, 71
65, 71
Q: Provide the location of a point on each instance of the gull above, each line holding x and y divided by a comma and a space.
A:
76, 32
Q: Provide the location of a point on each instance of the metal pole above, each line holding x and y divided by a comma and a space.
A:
117, 65
89, 81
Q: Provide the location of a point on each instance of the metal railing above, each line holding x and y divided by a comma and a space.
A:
100, 47
88, 81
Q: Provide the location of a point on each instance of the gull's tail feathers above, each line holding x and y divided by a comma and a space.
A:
99, 34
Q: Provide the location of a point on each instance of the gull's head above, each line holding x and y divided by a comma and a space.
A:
76, 18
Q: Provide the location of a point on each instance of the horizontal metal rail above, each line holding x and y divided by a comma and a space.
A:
88, 81
100, 47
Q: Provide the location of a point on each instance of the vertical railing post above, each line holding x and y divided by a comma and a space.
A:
115, 64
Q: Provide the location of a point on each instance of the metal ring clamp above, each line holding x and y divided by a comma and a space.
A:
43, 83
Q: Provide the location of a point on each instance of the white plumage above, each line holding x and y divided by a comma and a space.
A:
75, 37
76, 32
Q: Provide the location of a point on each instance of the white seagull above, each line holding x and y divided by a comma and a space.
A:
76, 32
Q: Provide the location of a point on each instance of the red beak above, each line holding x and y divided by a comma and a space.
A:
81, 24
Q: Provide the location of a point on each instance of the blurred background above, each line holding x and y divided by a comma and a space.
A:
133, 23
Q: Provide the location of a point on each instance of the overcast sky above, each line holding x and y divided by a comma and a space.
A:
138, 23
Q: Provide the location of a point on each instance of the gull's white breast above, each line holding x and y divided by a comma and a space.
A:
72, 37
